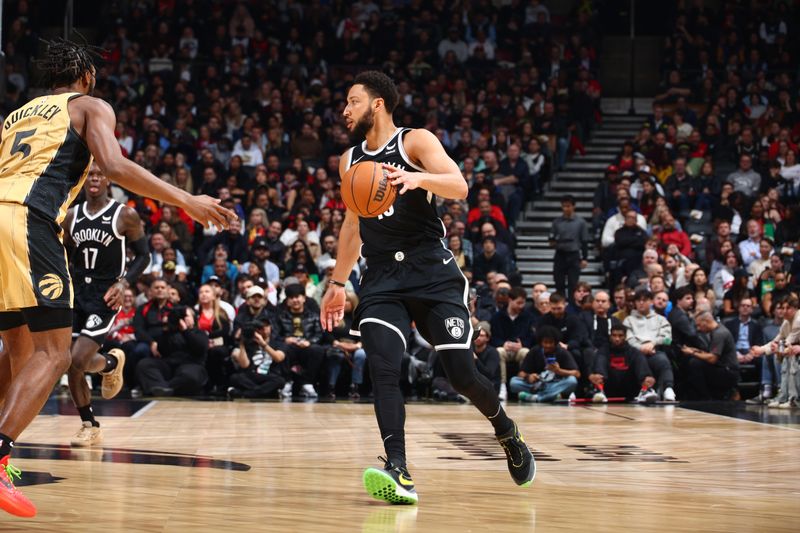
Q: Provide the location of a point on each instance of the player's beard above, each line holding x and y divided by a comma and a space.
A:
363, 125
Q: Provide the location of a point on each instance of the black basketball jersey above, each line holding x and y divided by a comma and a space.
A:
412, 220
99, 248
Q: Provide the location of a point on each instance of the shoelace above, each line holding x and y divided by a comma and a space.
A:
389, 466
516, 461
12, 471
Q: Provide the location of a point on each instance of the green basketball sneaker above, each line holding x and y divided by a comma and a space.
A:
393, 484
521, 463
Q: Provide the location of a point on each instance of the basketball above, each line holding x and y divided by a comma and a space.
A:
366, 189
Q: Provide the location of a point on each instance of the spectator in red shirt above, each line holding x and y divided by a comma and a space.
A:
485, 209
672, 235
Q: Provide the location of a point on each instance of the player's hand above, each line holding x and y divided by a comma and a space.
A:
332, 307
208, 212
397, 177
114, 294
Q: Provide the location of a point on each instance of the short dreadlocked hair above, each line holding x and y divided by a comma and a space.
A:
379, 85
65, 62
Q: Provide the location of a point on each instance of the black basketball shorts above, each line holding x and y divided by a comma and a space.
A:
92, 317
423, 285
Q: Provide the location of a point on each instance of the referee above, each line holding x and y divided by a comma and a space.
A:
570, 237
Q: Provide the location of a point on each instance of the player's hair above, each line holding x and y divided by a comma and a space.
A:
379, 85
65, 62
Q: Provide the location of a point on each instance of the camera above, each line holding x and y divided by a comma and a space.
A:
174, 316
249, 329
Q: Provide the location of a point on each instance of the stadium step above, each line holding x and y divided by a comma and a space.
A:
579, 178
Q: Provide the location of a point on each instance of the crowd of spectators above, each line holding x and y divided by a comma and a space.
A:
242, 100
695, 221
699, 211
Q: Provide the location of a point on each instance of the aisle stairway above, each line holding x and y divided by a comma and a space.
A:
579, 178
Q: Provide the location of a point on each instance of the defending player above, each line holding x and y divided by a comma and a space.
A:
99, 230
410, 276
45, 152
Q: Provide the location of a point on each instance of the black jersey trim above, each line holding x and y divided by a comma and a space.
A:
51, 189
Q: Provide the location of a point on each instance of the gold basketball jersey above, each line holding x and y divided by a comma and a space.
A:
43, 160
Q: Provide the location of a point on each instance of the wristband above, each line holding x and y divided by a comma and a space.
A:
337, 283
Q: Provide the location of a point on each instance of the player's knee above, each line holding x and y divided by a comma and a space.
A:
59, 360
464, 382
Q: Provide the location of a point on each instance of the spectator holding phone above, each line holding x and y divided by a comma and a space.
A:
548, 370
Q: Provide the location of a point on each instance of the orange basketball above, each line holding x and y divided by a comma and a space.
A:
366, 189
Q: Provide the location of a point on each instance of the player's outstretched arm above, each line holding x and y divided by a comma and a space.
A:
442, 176
99, 123
349, 246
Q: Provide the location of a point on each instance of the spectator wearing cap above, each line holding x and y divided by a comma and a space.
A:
637, 187
345, 348
298, 327
304, 279
219, 291
569, 235
651, 333
255, 306
513, 332
259, 253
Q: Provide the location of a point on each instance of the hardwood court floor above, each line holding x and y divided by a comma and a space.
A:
203, 466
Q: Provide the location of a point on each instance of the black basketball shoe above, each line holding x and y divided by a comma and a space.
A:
393, 484
521, 463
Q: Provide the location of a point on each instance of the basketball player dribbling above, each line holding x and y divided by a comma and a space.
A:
410, 276
46, 150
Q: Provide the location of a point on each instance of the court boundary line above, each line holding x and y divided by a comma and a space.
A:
143, 410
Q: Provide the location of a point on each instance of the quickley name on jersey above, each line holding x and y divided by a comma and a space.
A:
43, 160
99, 248
412, 220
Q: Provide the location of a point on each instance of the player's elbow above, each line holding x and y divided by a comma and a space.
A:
462, 190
